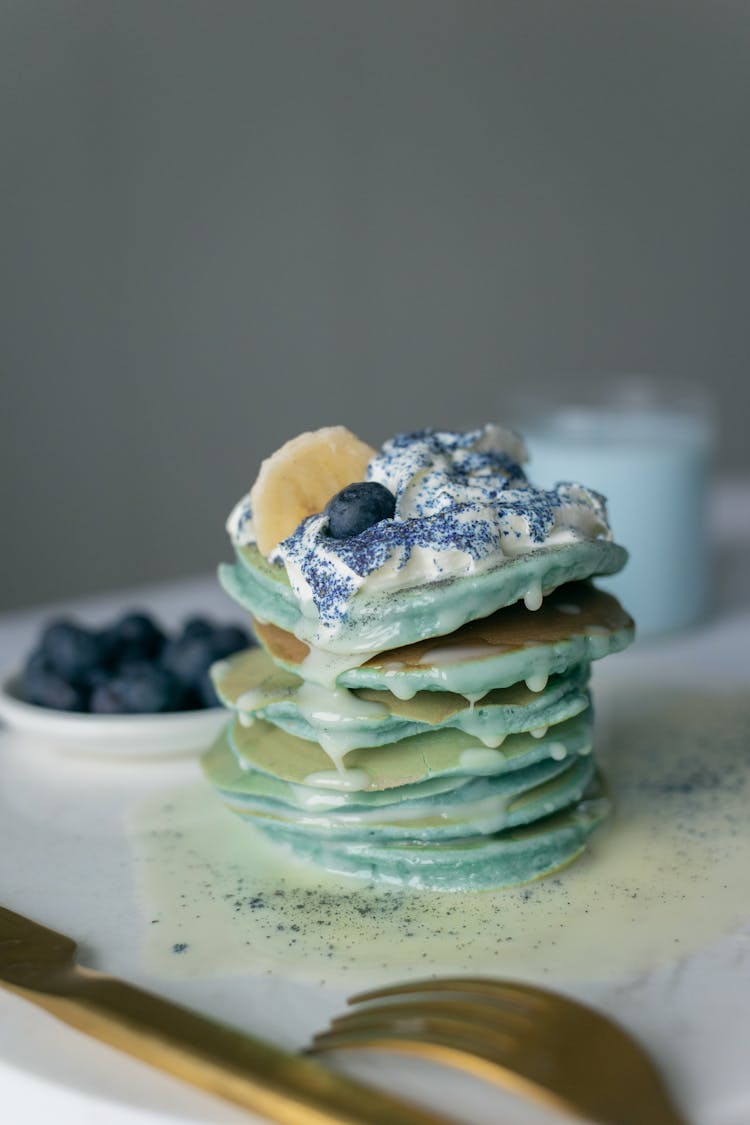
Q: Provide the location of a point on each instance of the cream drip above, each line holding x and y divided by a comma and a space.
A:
346, 779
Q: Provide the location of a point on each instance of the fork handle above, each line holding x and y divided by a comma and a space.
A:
281, 1086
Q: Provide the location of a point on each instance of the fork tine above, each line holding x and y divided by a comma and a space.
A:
461, 1035
527, 1039
460, 1027
481, 1015
522, 996
456, 1044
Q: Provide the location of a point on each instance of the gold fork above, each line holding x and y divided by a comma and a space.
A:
39, 964
531, 1041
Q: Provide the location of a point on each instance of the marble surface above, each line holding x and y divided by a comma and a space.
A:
691, 1013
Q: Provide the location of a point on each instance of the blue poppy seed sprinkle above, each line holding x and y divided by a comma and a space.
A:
462, 503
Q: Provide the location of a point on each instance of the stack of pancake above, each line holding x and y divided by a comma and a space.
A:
443, 738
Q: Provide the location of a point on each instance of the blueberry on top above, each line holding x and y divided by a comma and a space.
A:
357, 507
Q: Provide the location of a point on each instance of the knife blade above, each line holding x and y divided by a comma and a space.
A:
40, 964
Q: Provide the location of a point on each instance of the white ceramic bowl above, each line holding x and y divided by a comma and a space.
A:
178, 732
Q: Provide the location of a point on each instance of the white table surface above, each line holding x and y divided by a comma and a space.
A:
49, 1072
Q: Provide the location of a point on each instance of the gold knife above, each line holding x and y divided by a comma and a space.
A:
39, 964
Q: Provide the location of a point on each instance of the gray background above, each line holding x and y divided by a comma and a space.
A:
223, 223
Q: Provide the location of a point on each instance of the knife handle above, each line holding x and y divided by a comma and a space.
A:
286, 1088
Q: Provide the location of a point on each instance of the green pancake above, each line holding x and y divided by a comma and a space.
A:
439, 753
576, 624
391, 619
230, 774
475, 863
483, 805
252, 685
453, 833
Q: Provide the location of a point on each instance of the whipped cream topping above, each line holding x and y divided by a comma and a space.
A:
463, 504
239, 523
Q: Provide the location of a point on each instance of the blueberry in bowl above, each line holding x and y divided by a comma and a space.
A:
135, 636
43, 685
129, 686
71, 651
136, 689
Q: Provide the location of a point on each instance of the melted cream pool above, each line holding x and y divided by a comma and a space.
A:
669, 875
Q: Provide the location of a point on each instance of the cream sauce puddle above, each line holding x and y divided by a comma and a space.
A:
669, 875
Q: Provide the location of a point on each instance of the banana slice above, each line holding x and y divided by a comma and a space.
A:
299, 479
